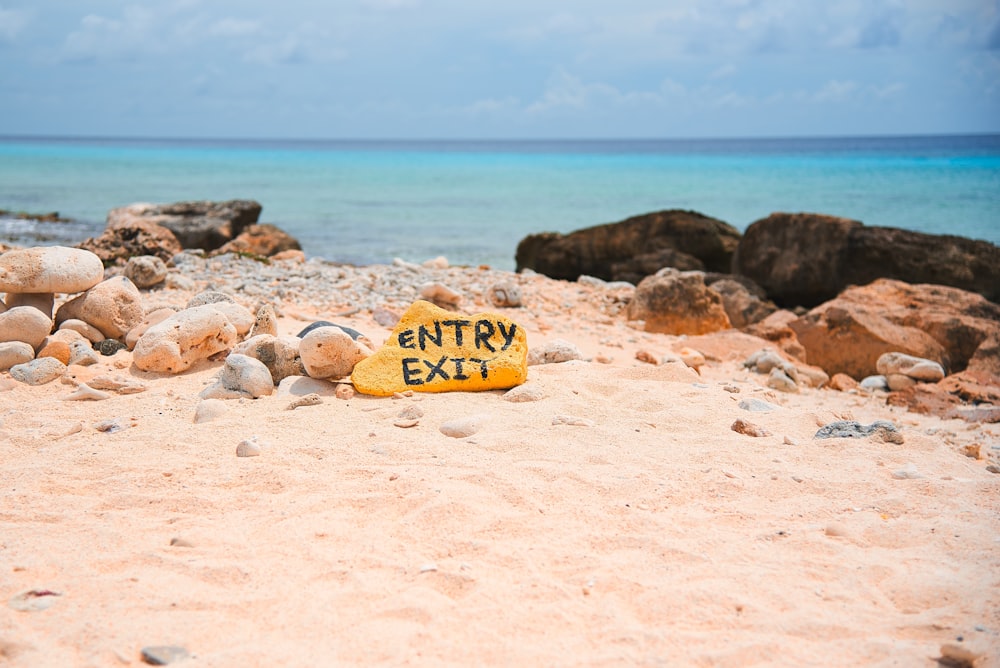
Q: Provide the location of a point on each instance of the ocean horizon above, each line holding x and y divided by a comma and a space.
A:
364, 201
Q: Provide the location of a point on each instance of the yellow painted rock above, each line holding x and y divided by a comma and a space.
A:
434, 350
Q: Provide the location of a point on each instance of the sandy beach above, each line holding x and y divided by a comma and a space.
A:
617, 520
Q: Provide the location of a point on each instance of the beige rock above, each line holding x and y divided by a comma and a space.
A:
145, 270
113, 306
266, 322
183, 339
90, 332
675, 302
49, 269
13, 353
153, 317
43, 301
241, 318
330, 352
24, 323
917, 368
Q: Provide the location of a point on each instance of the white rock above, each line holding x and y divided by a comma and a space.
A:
873, 383
524, 393
183, 339
49, 269
461, 427
248, 448
553, 352
81, 353
330, 352
209, 409
280, 354
241, 318
145, 270
89, 332
300, 386
24, 323
38, 372
13, 353
85, 392
113, 306
151, 318
241, 376
779, 380
917, 368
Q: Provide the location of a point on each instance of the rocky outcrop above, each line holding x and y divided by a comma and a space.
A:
261, 239
806, 259
949, 326
202, 224
132, 237
675, 302
632, 249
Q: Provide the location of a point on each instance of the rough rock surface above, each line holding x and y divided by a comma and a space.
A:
200, 224
675, 302
279, 354
743, 307
49, 269
240, 376
145, 270
942, 324
632, 249
805, 259
126, 238
260, 239
188, 336
330, 352
113, 306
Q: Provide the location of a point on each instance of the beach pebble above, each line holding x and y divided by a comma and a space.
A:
240, 376
299, 386
691, 358
644, 356
188, 336
345, 392
461, 427
405, 423
280, 354
553, 352
505, 294
111, 426
85, 392
959, 656
24, 323
572, 420
89, 332
330, 352
917, 368
755, 405
49, 269
38, 371
307, 400
440, 295
13, 353
837, 530
764, 360
209, 409
741, 426
248, 448
161, 655
145, 271
908, 472
33, 600
209, 297
265, 322
355, 334
874, 383
81, 353
523, 393
880, 429
898, 381
43, 301
779, 380
241, 318
113, 306
110, 347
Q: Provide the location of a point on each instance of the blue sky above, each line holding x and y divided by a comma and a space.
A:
511, 69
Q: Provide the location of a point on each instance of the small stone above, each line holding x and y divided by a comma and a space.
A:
209, 409
240, 318
33, 600
110, 426
119, 384
524, 393
836, 529
81, 353
56, 349
916, 368
779, 380
505, 294
354, 334
13, 353
741, 426
84, 392
385, 317
972, 450
345, 392
26, 324
908, 472
880, 429
330, 352
410, 413
145, 271
842, 382
764, 360
898, 382
151, 318
113, 306
461, 427
958, 656
642, 356
307, 400
755, 405
241, 376
108, 347
280, 354
440, 295
266, 322
248, 448
404, 423
161, 655
43, 301
692, 358
89, 332
572, 421
439, 262
38, 371
49, 269
554, 352
177, 541
874, 384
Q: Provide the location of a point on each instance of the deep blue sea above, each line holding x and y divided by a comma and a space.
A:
472, 201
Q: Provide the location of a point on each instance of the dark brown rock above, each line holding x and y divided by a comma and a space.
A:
674, 302
805, 259
632, 249
123, 239
946, 325
202, 224
260, 239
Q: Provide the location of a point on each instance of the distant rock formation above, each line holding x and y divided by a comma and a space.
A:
131, 237
632, 249
202, 224
804, 259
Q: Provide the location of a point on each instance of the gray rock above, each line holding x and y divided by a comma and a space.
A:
279, 354
145, 271
248, 448
553, 352
13, 353
82, 354
38, 372
917, 368
874, 383
161, 655
209, 297
881, 429
755, 405
505, 294
241, 376
779, 380
109, 347
24, 323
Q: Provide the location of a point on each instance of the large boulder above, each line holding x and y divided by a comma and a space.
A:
126, 238
676, 302
200, 224
805, 259
260, 239
848, 334
632, 249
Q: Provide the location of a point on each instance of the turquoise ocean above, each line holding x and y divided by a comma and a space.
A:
365, 202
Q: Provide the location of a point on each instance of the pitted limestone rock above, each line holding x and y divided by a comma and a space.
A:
434, 350
49, 269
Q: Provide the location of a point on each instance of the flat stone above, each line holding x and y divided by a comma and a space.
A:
755, 405
330, 352
49, 269
24, 323
553, 352
161, 655
188, 336
434, 350
461, 427
39, 371
300, 386
917, 368
880, 429
240, 376
113, 306
13, 353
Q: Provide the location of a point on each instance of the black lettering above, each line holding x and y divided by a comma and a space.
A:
508, 337
423, 335
436, 369
458, 325
484, 330
483, 371
408, 372
459, 375
405, 339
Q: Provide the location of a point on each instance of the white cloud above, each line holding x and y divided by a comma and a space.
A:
231, 27
12, 22
100, 38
